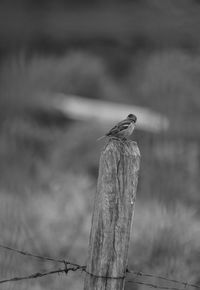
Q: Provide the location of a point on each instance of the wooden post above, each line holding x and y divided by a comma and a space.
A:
112, 216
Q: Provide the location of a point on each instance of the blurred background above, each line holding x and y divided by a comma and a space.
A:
143, 54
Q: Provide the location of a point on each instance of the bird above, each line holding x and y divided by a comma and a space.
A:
123, 129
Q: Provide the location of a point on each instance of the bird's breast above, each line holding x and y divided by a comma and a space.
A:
131, 128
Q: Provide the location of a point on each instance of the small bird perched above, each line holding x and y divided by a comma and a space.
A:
123, 129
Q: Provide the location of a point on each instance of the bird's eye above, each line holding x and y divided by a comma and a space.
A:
133, 117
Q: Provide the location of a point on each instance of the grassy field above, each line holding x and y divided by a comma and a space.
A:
49, 164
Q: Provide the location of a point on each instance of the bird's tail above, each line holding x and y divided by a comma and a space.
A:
104, 136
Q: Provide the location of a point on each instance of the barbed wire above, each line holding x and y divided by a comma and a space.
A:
163, 278
44, 258
76, 267
153, 285
66, 270
39, 275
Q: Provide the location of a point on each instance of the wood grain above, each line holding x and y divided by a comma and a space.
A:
112, 216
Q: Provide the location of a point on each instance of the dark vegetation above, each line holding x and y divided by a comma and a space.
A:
139, 52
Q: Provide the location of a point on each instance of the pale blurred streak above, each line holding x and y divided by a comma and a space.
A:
80, 108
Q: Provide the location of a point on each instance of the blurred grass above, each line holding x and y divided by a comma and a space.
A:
53, 165
165, 242
170, 85
144, 53
29, 139
29, 82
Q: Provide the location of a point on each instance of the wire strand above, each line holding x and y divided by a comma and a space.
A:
153, 285
35, 275
44, 258
163, 278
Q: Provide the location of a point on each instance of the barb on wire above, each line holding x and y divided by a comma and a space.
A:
153, 285
44, 258
39, 275
163, 278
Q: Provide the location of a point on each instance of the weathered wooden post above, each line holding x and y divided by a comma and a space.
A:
112, 216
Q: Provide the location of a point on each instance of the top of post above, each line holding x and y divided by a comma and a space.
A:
128, 147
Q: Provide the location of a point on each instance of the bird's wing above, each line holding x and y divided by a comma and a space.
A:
119, 127
124, 124
114, 130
